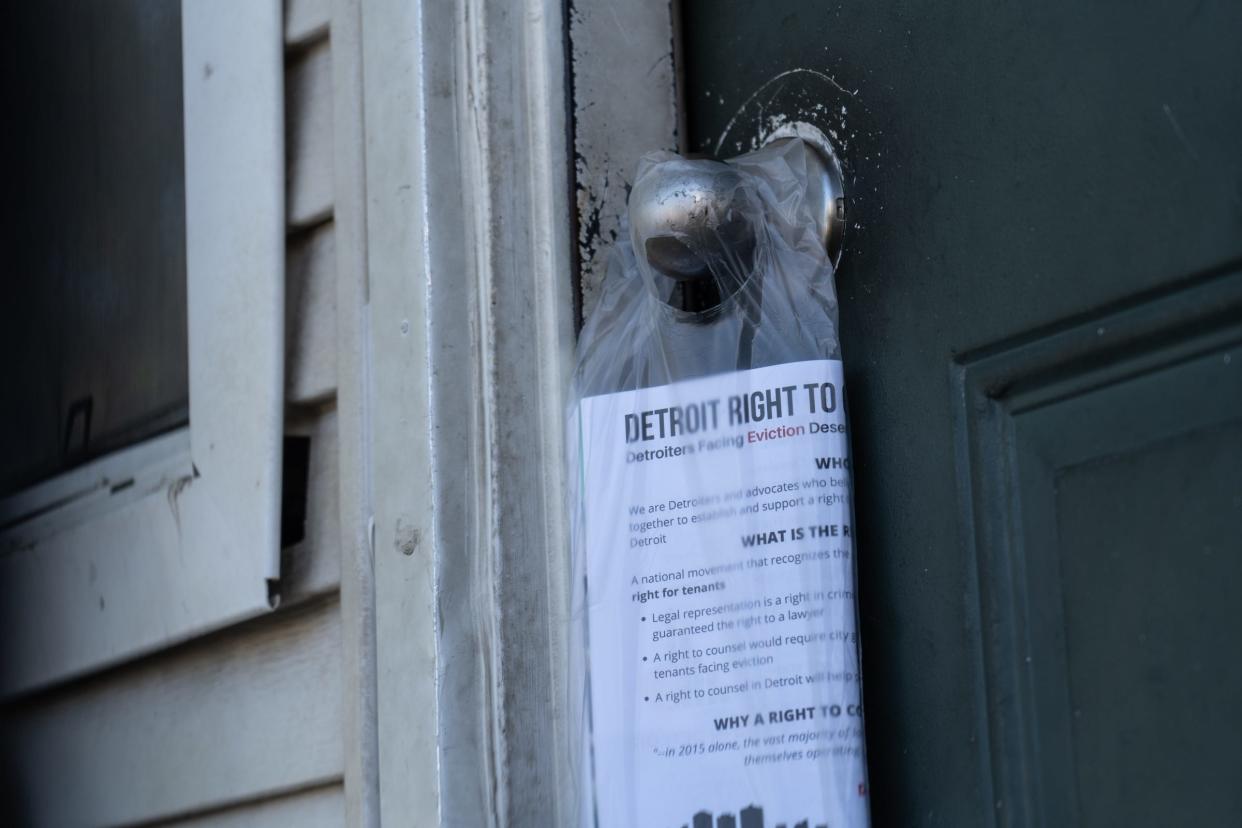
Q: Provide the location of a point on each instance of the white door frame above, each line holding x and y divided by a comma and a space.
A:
464, 322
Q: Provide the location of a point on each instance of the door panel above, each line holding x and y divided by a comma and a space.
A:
1102, 499
1045, 231
1148, 577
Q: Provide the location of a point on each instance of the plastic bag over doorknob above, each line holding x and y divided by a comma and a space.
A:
696, 221
714, 666
721, 266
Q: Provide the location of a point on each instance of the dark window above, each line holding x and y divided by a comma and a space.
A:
93, 321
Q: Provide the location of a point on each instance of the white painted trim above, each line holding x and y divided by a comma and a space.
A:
470, 277
360, 722
233, 70
99, 486
394, 38
90, 577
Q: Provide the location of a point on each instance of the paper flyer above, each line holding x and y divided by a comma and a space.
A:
724, 676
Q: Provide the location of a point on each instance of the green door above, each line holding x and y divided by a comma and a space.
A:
1041, 303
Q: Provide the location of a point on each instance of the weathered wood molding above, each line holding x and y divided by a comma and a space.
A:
470, 281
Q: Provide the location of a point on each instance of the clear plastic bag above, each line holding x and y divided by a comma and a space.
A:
715, 668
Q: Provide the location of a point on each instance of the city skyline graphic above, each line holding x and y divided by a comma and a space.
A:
749, 817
